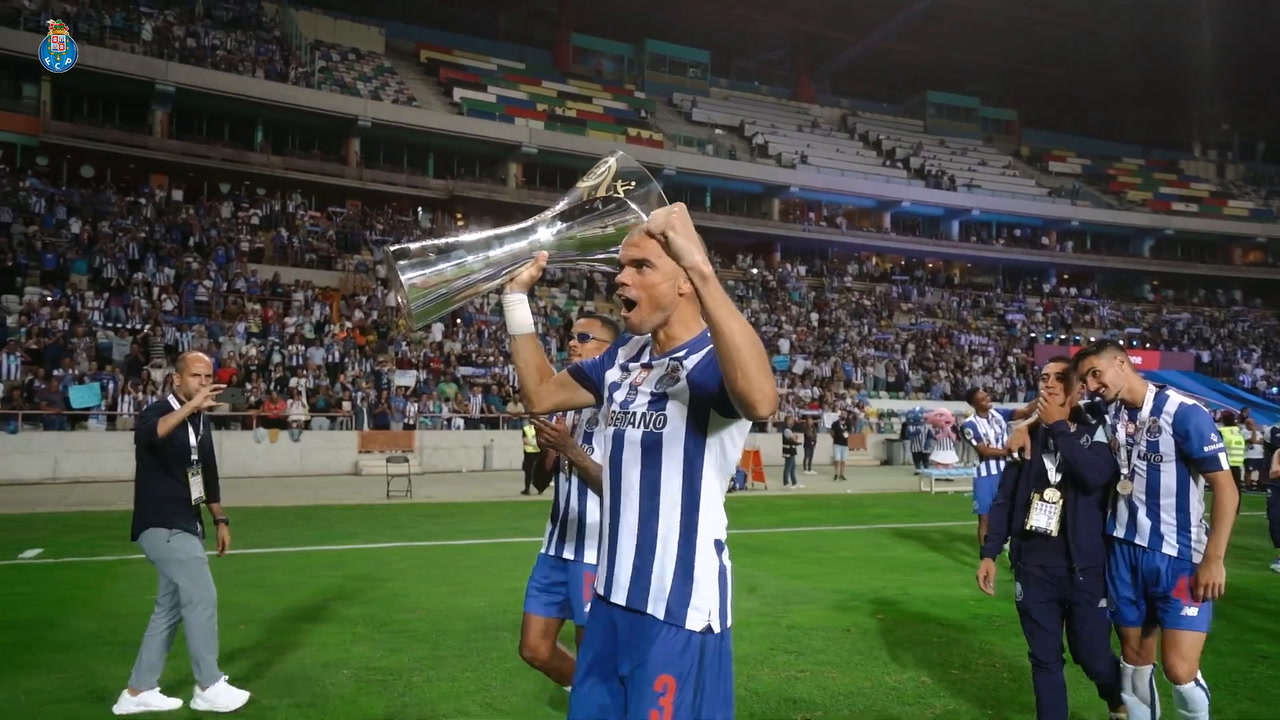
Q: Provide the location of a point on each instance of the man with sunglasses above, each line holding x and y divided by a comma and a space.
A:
560, 586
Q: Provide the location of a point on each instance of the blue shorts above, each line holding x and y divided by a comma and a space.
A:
984, 493
633, 665
1147, 587
560, 589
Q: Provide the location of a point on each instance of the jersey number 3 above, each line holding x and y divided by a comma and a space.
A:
665, 686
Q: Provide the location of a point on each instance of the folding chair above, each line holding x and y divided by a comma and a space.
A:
398, 466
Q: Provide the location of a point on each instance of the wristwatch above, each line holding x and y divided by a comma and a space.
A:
222, 521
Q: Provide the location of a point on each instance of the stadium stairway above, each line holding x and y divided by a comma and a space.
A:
689, 137
1088, 193
404, 58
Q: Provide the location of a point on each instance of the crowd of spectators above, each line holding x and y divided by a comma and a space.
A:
106, 284
235, 36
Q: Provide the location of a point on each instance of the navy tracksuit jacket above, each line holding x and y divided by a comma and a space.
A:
1060, 581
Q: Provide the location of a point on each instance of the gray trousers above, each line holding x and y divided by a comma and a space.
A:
185, 595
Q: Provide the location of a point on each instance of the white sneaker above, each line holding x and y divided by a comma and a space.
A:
150, 701
221, 697
1275, 566
793, 487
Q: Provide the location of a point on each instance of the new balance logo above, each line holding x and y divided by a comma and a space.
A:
1190, 611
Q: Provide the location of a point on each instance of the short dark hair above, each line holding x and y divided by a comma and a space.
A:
1064, 360
970, 394
611, 325
1100, 347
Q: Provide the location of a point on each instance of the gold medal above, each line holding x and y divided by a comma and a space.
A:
1051, 495
1125, 487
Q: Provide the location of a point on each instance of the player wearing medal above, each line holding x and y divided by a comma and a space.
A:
559, 586
1165, 565
678, 396
1053, 511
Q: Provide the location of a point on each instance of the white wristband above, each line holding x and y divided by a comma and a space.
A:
518, 315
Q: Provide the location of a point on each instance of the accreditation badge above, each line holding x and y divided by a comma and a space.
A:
195, 480
1045, 516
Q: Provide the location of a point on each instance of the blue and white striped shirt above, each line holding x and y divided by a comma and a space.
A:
1178, 444
940, 441
916, 435
573, 529
671, 441
993, 431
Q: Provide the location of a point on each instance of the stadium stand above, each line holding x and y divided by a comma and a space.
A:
245, 37
110, 282
107, 283
1158, 185
941, 161
360, 73
237, 36
831, 141
241, 37
512, 92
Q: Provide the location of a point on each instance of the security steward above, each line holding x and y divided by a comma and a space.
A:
1052, 508
1233, 439
176, 472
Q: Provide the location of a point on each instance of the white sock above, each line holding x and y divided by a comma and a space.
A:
1138, 691
1191, 701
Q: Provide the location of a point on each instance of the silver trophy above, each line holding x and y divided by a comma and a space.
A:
584, 229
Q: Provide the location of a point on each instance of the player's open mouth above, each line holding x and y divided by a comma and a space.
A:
627, 304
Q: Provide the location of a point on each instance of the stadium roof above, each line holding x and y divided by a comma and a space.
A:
1125, 70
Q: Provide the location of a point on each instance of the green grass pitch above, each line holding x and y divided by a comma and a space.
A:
833, 620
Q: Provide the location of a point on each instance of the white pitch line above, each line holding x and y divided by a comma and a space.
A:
443, 543
28, 554
495, 541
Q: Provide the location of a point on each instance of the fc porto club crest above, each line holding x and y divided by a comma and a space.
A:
58, 52
1153, 429
670, 378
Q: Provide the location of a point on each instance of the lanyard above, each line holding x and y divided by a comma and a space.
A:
1124, 440
192, 434
1052, 463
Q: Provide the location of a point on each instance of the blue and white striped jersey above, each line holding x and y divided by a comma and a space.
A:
671, 441
573, 529
993, 431
1171, 448
916, 434
940, 441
